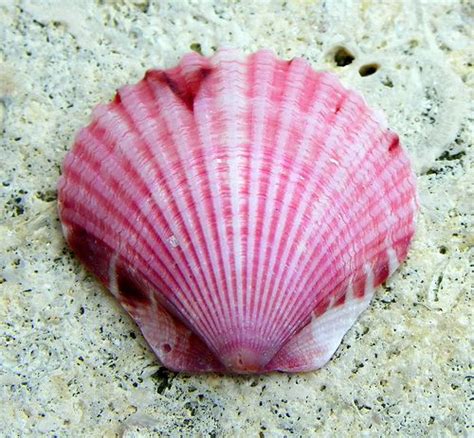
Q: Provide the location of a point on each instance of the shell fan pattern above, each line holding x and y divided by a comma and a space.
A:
242, 209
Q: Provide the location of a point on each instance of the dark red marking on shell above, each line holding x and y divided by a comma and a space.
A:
187, 90
395, 143
381, 269
322, 307
358, 286
131, 290
93, 252
340, 301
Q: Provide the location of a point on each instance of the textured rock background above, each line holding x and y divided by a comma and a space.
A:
73, 364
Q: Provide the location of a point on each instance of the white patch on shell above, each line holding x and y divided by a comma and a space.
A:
173, 241
393, 262
329, 328
113, 285
350, 292
369, 280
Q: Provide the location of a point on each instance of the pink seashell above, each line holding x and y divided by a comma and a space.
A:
241, 209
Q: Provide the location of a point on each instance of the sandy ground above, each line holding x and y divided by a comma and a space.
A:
72, 363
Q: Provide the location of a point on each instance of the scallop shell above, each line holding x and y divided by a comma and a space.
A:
241, 209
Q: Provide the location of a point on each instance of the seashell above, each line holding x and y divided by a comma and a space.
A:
241, 209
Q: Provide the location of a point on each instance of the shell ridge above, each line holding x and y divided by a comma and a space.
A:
230, 72
301, 145
204, 219
180, 296
289, 102
348, 182
204, 235
324, 136
220, 249
90, 231
276, 95
294, 134
283, 103
211, 173
252, 150
327, 222
366, 226
265, 64
185, 207
93, 218
341, 284
230, 237
317, 341
236, 73
130, 154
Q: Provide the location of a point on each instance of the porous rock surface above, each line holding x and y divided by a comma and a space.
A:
72, 363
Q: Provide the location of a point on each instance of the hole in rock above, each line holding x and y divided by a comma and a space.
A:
196, 47
387, 82
343, 57
368, 69
166, 348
